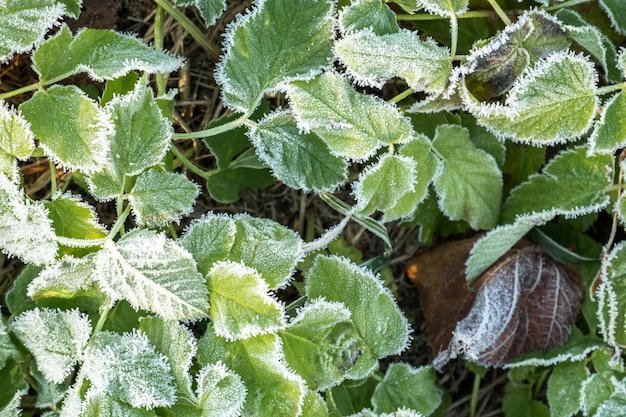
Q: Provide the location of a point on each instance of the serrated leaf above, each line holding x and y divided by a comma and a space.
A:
220, 391
56, 338
552, 103
406, 387
71, 128
210, 10
16, 298
611, 297
16, 140
300, 160
564, 388
609, 133
103, 405
160, 198
616, 13
74, 219
470, 184
24, 23
128, 369
267, 246
352, 124
209, 239
322, 345
372, 60
253, 65
241, 306
446, 8
85, 53
177, 344
314, 405
383, 184
368, 14
153, 273
594, 391
273, 390
559, 189
25, 229
374, 311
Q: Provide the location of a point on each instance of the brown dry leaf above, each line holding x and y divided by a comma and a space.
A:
526, 302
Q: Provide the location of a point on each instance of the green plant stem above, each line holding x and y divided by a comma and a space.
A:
454, 35
610, 88
475, 390
192, 167
501, 14
53, 178
472, 14
158, 45
119, 223
402, 95
565, 4
189, 27
212, 131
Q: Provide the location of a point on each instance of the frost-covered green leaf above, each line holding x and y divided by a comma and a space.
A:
24, 23
405, 387
177, 344
63, 278
322, 345
552, 103
575, 349
470, 184
374, 311
128, 369
103, 54
372, 60
277, 41
609, 133
209, 239
273, 390
353, 125
615, 404
209, 10
25, 229
159, 198
71, 128
571, 184
564, 388
300, 160
419, 149
368, 14
220, 391
446, 8
153, 273
397, 413
616, 12
241, 305
103, 405
16, 140
382, 185
314, 405
74, 219
56, 338
13, 407
594, 391
267, 246
7, 348
611, 296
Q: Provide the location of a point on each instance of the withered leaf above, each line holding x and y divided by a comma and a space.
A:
526, 302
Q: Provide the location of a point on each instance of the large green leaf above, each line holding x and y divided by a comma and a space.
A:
56, 338
24, 23
71, 128
16, 140
564, 388
352, 124
153, 273
374, 311
273, 390
241, 305
609, 133
277, 41
300, 160
372, 60
103, 54
552, 103
405, 387
209, 239
470, 184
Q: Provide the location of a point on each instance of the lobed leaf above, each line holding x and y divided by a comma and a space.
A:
373, 309
24, 23
383, 184
153, 273
374, 59
17, 141
57, 339
159, 198
405, 387
445, 8
25, 230
300, 40
70, 127
470, 184
322, 345
241, 306
300, 160
609, 133
273, 390
352, 124
103, 54
367, 14
127, 369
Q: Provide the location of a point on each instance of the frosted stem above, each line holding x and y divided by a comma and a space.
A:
324, 240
